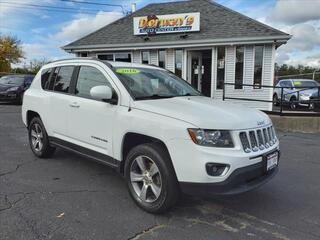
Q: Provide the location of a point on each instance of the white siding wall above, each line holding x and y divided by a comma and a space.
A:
154, 57
170, 59
248, 75
136, 56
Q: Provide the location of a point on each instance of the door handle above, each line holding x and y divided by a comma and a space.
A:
74, 105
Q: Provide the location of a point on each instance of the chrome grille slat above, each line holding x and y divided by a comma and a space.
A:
258, 139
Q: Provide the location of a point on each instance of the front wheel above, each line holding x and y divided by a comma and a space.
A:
39, 140
151, 178
292, 103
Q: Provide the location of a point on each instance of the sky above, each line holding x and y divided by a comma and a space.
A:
43, 31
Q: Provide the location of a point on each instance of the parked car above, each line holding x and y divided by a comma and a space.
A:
315, 97
295, 90
158, 131
12, 87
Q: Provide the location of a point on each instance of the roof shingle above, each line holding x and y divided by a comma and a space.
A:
216, 22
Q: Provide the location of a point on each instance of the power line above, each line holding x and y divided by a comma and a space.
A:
46, 6
93, 3
51, 8
96, 3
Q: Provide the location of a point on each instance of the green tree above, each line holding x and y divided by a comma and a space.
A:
10, 52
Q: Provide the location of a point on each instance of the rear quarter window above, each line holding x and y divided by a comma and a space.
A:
45, 78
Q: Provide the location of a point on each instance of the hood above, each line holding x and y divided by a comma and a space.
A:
206, 113
310, 91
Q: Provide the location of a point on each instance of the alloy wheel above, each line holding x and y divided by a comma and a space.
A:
36, 137
145, 179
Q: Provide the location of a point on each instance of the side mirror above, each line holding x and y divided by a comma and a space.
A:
103, 93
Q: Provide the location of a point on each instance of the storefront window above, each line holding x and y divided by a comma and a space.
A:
123, 57
178, 63
258, 60
239, 67
107, 57
145, 57
162, 58
220, 66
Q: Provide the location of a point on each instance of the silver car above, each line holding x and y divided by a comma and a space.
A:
295, 90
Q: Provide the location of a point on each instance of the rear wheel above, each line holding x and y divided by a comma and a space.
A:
151, 178
39, 140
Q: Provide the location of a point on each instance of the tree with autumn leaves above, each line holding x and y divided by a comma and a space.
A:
10, 52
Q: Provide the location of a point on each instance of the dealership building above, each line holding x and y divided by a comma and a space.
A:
201, 41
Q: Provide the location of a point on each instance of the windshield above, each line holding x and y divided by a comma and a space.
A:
146, 83
301, 83
12, 80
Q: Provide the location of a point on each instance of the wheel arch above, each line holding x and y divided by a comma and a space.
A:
131, 140
30, 115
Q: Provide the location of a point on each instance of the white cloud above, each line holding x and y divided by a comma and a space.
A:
304, 37
295, 11
34, 50
85, 24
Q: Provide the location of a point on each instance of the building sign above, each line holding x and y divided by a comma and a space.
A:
173, 23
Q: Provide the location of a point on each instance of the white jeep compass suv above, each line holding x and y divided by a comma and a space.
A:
161, 134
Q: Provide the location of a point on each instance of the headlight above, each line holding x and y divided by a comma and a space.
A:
12, 89
211, 138
305, 94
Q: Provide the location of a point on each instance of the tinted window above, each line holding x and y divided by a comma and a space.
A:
301, 83
88, 78
45, 74
286, 84
162, 58
12, 80
178, 63
239, 67
258, 60
107, 57
221, 67
63, 79
123, 57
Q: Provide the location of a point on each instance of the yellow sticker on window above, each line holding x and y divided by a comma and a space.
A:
127, 71
297, 83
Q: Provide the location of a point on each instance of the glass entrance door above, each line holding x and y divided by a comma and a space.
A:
199, 70
196, 70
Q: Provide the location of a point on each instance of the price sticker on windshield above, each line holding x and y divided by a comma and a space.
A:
128, 70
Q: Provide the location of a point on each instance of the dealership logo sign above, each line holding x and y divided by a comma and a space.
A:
173, 23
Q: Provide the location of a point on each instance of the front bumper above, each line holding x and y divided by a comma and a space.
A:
241, 180
9, 96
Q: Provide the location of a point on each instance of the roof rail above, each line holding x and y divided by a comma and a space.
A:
75, 58
85, 58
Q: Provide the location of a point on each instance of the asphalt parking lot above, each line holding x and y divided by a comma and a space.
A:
70, 197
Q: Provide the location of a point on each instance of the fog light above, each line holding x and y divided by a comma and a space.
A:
216, 169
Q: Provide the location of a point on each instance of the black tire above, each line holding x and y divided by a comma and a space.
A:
275, 100
292, 104
45, 150
170, 191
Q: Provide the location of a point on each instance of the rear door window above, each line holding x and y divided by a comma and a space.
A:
63, 79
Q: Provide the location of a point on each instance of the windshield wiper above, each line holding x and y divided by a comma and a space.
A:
154, 96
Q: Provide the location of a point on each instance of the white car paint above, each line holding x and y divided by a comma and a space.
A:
164, 119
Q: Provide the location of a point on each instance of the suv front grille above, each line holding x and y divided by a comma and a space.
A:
254, 140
